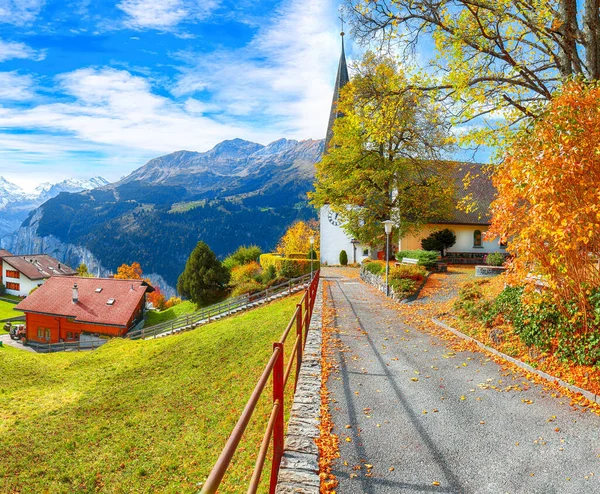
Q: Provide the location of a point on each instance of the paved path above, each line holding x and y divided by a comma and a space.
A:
423, 419
6, 340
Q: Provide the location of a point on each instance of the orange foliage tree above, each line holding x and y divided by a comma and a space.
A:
157, 299
129, 272
548, 203
296, 239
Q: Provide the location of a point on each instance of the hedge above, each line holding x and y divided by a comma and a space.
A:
286, 267
427, 258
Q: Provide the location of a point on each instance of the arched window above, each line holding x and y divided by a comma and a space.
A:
477, 238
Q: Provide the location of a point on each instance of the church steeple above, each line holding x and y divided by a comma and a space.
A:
340, 81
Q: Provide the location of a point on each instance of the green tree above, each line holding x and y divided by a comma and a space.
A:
385, 160
243, 255
493, 58
83, 270
439, 240
204, 279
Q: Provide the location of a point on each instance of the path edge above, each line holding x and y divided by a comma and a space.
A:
299, 469
575, 389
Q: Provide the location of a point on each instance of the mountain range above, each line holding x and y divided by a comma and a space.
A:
16, 204
238, 193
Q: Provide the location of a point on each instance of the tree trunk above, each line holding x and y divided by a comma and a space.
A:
569, 30
591, 38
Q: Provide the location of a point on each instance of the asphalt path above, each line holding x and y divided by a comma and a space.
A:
413, 416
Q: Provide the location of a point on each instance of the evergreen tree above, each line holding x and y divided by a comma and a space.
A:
439, 240
204, 279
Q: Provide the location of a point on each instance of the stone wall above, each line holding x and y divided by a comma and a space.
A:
299, 470
489, 270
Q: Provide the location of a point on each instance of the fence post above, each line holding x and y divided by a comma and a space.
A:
290, 287
306, 314
301, 343
278, 430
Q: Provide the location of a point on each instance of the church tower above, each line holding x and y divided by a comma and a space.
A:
340, 81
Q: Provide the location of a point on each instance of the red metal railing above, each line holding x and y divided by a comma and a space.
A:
275, 426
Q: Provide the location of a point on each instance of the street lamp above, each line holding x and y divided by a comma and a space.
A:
388, 224
312, 243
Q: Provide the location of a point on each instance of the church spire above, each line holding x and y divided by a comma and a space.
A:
341, 80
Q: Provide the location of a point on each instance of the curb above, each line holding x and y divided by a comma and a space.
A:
575, 389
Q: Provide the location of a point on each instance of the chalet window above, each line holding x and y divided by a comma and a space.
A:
43, 333
477, 238
365, 252
13, 286
13, 274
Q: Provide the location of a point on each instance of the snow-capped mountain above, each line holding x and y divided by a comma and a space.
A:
16, 204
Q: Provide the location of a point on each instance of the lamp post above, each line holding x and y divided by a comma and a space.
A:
388, 224
312, 243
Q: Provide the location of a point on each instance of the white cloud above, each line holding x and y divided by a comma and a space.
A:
284, 76
19, 12
164, 14
10, 50
15, 87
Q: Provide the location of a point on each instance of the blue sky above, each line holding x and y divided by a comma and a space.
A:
99, 87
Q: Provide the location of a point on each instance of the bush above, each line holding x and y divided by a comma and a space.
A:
269, 274
286, 267
245, 272
2, 289
403, 286
312, 254
247, 287
408, 272
375, 267
494, 259
173, 301
343, 258
427, 258
243, 255
439, 240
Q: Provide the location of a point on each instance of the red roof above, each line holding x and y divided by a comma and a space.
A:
55, 297
38, 266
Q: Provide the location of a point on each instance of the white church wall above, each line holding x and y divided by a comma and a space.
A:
464, 239
334, 239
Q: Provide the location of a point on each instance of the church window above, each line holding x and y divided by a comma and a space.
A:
477, 238
365, 252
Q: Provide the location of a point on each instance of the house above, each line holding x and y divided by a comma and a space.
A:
21, 274
469, 227
66, 308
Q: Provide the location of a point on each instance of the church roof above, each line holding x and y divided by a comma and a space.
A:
340, 81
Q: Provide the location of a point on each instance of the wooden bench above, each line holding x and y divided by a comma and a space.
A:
409, 260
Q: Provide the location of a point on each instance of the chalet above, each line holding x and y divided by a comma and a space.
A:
21, 274
65, 308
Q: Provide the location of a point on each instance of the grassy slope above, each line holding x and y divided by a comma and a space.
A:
141, 416
6, 311
169, 314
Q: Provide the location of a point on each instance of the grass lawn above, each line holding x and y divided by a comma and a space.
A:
169, 314
12, 297
137, 416
6, 312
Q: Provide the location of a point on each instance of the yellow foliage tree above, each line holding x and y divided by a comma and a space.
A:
129, 272
296, 239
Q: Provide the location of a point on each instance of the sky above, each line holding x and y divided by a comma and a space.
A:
99, 87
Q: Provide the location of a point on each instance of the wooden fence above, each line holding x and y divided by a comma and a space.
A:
281, 371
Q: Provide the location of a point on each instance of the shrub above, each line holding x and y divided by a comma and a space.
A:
375, 267
312, 254
439, 240
343, 258
243, 255
2, 289
403, 285
298, 255
173, 301
286, 267
427, 258
244, 272
269, 274
408, 272
494, 259
247, 287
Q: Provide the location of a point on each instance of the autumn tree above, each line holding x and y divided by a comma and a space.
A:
131, 271
157, 299
83, 271
548, 203
493, 58
204, 279
243, 255
385, 160
296, 239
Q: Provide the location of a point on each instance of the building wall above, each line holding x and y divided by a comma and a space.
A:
60, 326
25, 284
464, 239
334, 239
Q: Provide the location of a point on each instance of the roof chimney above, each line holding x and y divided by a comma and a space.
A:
75, 294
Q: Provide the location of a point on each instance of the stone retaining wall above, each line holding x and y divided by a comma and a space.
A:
489, 270
299, 470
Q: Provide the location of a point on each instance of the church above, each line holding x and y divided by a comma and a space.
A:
469, 227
